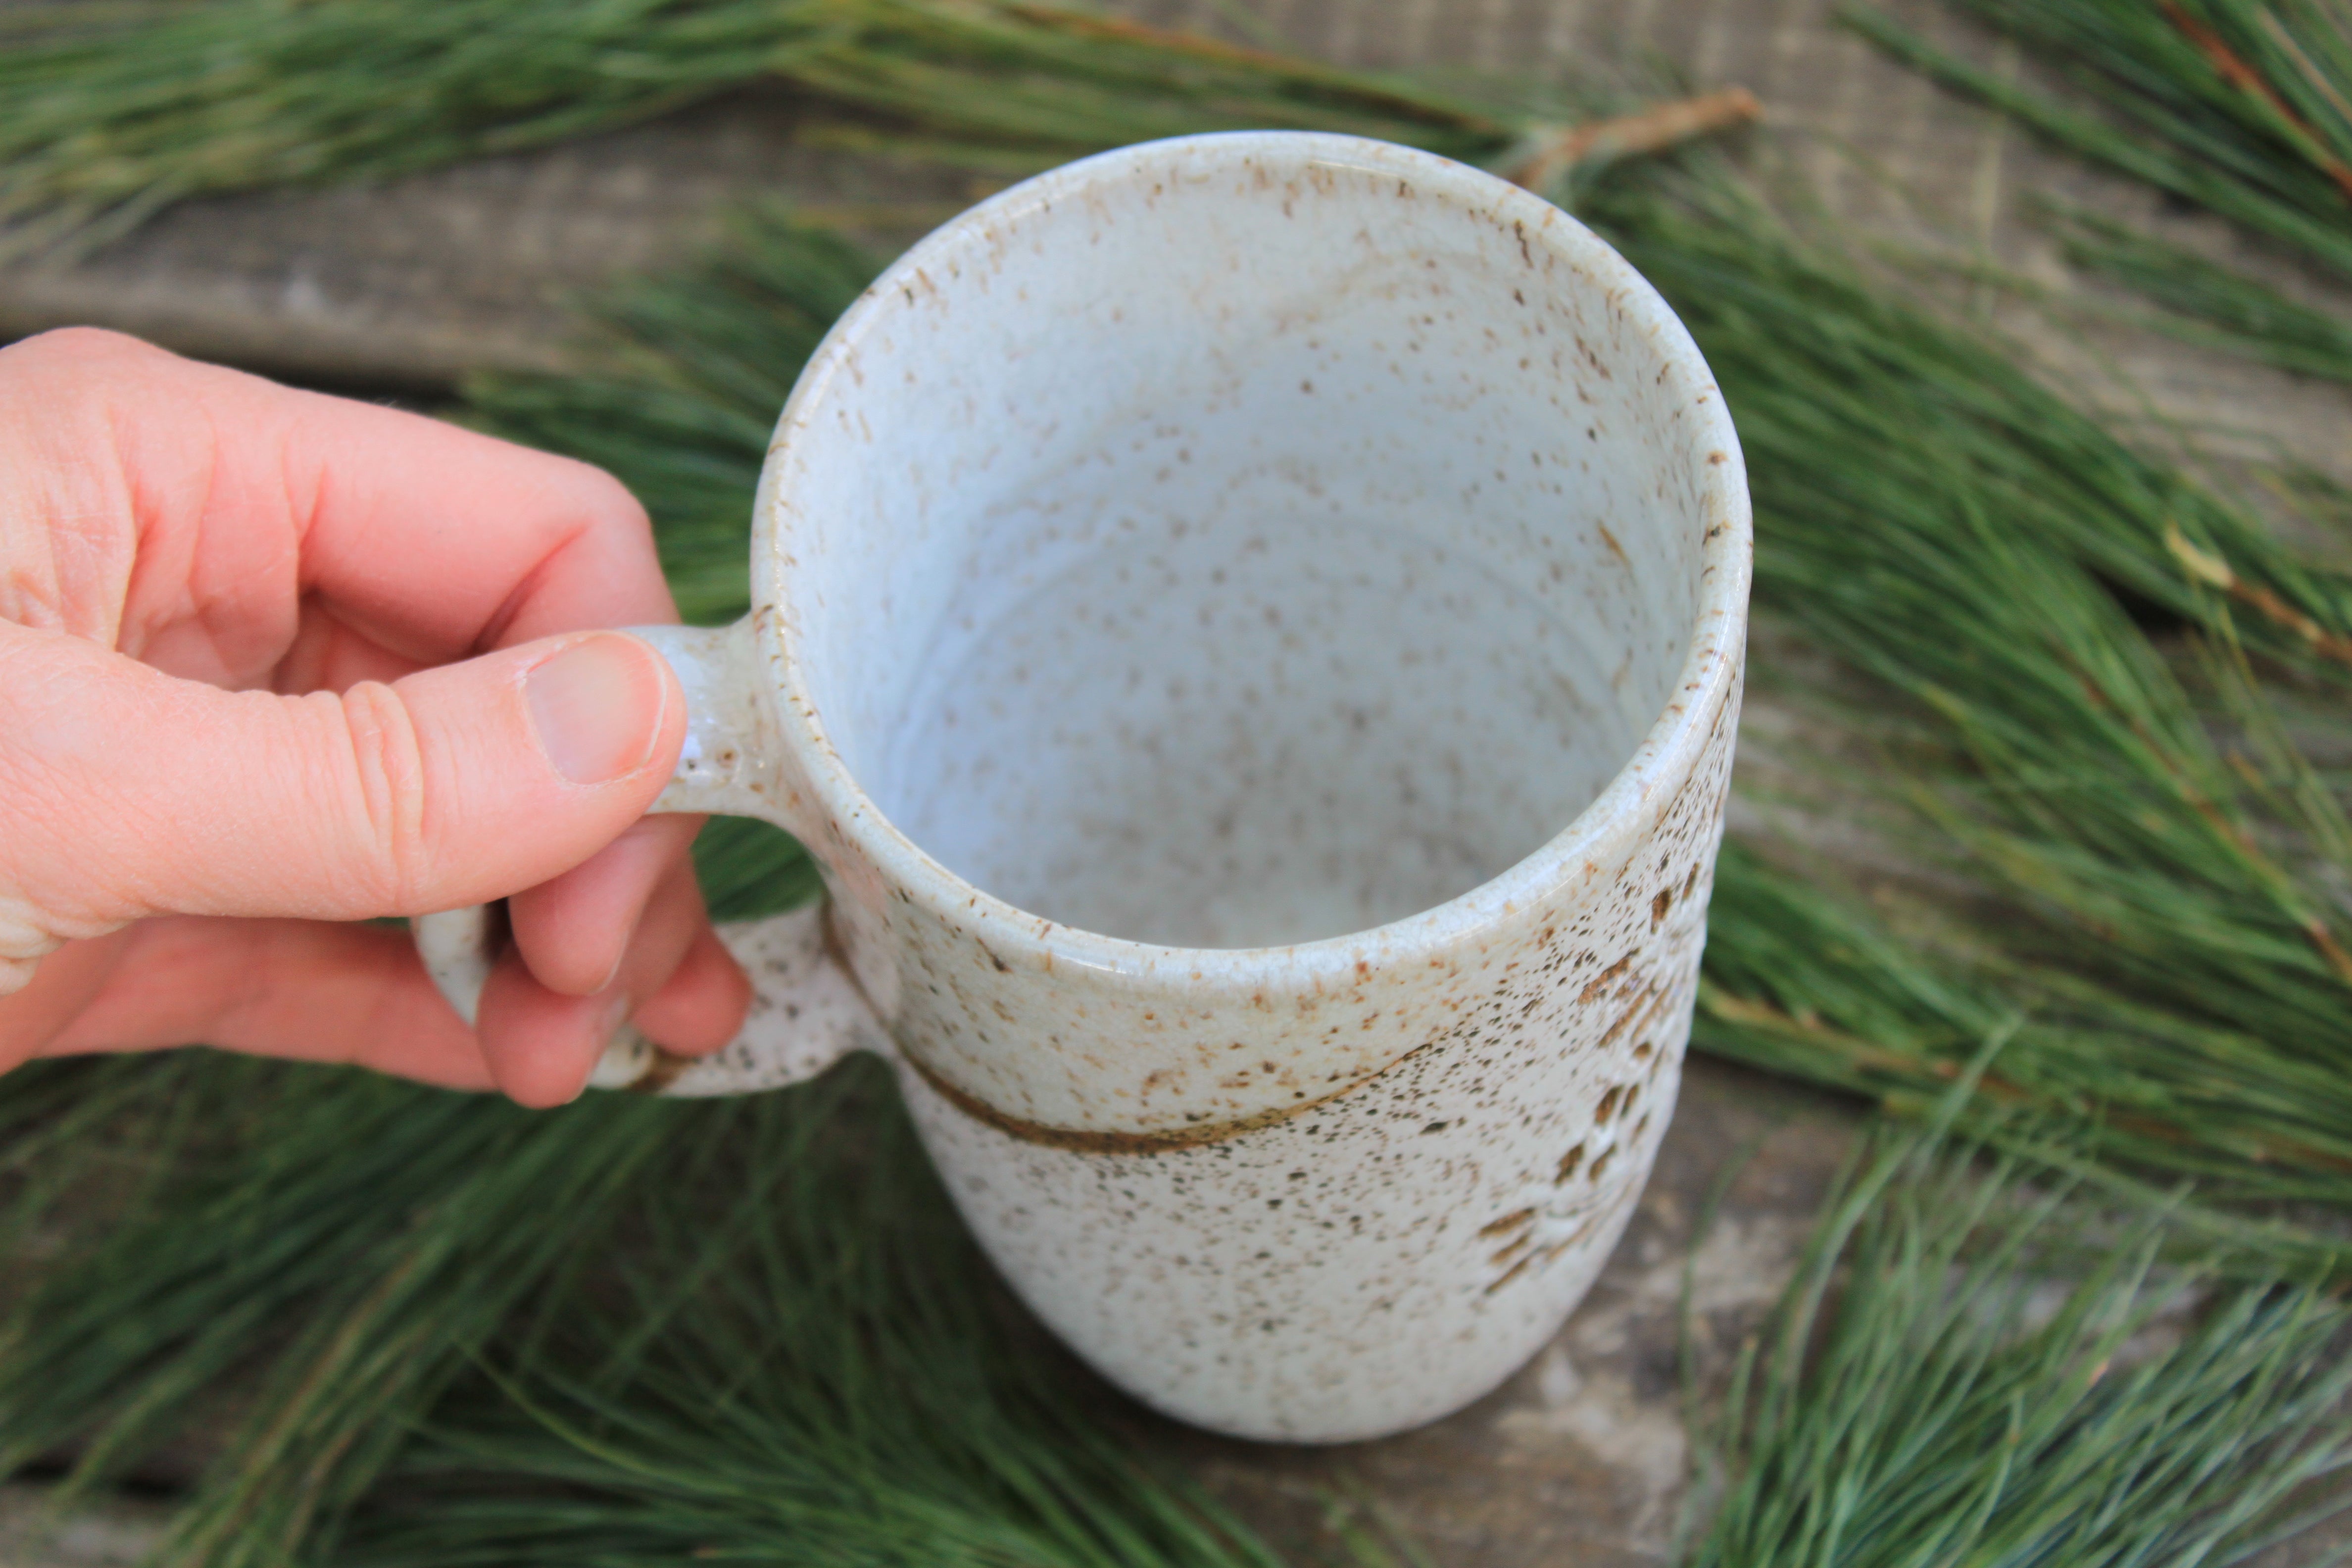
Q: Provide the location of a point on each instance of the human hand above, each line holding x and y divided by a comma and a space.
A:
270, 661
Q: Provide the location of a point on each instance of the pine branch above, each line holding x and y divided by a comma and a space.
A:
1919, 1399
108, 112
611, 1356
1832, 384
1951, 530
2242, 106
800, 1357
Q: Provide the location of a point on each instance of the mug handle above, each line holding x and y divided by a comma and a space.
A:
806, 1011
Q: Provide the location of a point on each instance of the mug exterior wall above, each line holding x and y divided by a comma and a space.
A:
1327, 1191
1394, 1253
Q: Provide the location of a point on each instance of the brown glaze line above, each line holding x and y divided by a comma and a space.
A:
1087, 1141
1079, 1140
660, 1072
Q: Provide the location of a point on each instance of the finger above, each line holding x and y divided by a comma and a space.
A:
542, 1045
125, 794
59, 993
208, 504
327, 655
574, 931
296, 989
702, 1006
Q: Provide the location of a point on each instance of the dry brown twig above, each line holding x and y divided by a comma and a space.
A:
2238, 73
1552, 151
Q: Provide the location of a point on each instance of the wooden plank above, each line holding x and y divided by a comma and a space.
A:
1580, 1458
406, 286
105, 1532
415, 281
409, 285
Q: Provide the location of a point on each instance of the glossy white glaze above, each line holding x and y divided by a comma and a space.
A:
1251, 627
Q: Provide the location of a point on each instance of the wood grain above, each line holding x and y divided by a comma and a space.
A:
403, 289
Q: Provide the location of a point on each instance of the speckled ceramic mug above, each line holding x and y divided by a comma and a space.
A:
1251, 627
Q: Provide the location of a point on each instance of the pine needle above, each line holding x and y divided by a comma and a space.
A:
2211, 304
108, 112
629, 1321
2241, 106
1932, 1391
368, 1235
1857, 422
1801, 983
479, 1345
800, 1357
1957, 533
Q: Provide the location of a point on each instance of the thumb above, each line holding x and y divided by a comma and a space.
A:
125, 792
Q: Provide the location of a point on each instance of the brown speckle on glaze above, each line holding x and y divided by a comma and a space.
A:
1600, 982
1504, 1103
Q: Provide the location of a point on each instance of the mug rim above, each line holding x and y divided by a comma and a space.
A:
1668, 749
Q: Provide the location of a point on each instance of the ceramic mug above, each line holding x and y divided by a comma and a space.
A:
1251, 627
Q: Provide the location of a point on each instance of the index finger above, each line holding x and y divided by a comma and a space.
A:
242, 496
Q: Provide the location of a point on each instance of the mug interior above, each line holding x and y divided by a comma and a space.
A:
1248, 545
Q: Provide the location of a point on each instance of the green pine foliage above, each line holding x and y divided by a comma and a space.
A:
2204, 301
2241, 106
629, 1331
364, 1238
2244, 107
1803, 982
359, 1242
2165, 863
449, 1331
1966, 564
797, 1354
110, 111
1931, 1390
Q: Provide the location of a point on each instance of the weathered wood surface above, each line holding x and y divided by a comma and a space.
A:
403, 289
116, 1533
1578, 1459
405, 286
415, 281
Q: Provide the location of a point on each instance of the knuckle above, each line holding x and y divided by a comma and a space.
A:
27, 937
64, 820
607, 501
86, 345
386, 788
